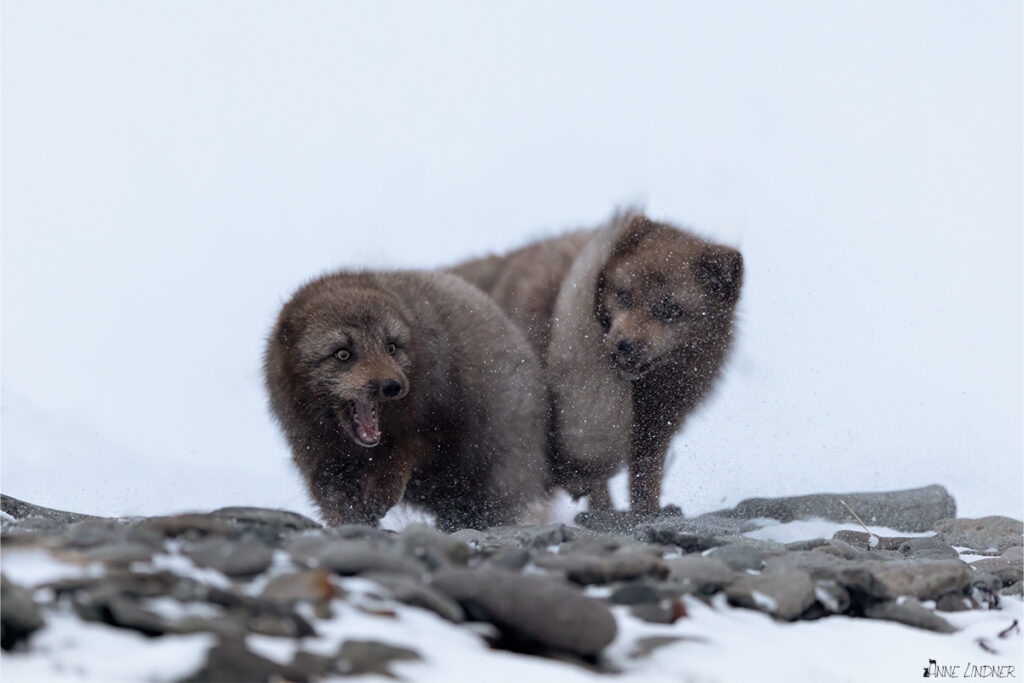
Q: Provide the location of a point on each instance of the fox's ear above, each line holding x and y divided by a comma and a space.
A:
639, 227
721, 272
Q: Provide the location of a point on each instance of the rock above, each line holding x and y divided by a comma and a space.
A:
785, 595
833, 598
432, 547
1014, 553
927, 548
819, 565
313, 585
909, 612
19, 509
984, 590
352, 557
635, 593
1008, 571
698, 574
922, 579
243, 558
981, 535
1007, 542
531, 610
806, 545
953, 602
545, 535
909, 510
19, 616
848, 552
358, 657
90, 533
410, 592
1015, 589
120, 554
230, 661
266, 518
862, 540
645, 646
509, 557
589, 569
664, 612
739, 557
190, 526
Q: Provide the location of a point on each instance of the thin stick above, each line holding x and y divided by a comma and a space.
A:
856, 517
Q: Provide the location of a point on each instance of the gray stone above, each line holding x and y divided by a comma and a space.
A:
739, 557
1009, 542
1014, 553
19, 615
635, 593
1015, 589
909, 510
663, 612
95, 532
922, 579
848, 552
909, 612
191, 526
833, 598
819, 565
953, 602
1009, 571
120, 554
699, 574
432, 546
245, 557
411, 592
277, 520
984, 590
230, 661
589, 569
509, 557
19, 509
313, 585
785, 595
359, 657
531, 609
806, 545
982, 534
927, 548
545, 535
353, 557
645, 646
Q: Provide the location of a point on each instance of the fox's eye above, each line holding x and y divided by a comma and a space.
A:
392, 347
343, 354
624, 297
668, 310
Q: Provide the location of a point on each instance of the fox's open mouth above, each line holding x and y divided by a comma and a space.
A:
365, 422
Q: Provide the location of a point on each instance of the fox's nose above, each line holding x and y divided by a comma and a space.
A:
391, 388
625, 347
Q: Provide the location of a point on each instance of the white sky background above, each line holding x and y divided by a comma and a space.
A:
172, 171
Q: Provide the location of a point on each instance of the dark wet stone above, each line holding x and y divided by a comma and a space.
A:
120, 554
590, 569
358, 657
833, 598
806, 545
663, 612
545, 535
698, 574
509, 557
19, 615
313, 585
192, 526
432, 547
819, 565
739, 557
984, 590
909, 612
927, 548
245, 557
1008, 571
230, 661
531, 610
353, 557
785, 595
19, 509
635, 593
908, 510
953, 602
922, 579
277, 520
981, 535
411, 592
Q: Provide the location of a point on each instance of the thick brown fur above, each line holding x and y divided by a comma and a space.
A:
633, 340
428, 368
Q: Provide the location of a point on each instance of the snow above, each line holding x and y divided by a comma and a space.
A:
173, 172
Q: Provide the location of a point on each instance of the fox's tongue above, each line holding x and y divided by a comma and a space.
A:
366, 421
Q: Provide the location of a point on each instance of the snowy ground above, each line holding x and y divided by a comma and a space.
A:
716, 642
